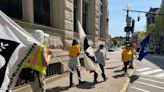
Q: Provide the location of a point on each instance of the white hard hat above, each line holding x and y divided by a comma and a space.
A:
39, 35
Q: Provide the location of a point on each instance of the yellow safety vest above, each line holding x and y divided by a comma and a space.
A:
38, 64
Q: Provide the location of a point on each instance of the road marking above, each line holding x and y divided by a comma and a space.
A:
152, 80
140, 89
153, 71
150, 85
143, 69
151, 76
159, 75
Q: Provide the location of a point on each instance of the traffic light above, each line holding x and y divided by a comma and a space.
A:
138, 18
132, 27
127, 29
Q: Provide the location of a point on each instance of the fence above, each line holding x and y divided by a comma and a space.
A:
52, 70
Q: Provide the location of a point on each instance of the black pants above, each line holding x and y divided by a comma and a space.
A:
126, 65
102, 74
71, 76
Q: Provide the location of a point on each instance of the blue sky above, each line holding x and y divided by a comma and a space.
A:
117, 16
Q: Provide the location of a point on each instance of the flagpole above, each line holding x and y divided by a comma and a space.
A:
67, 67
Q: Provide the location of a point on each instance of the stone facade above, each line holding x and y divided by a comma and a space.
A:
61, 28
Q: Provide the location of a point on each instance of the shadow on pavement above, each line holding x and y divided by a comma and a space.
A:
119, 75
113, 67
133, 78
88, 85
116, 71
58, 89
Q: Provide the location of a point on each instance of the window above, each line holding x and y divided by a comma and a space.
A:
13, 8
85, 15
42, 12
75, 16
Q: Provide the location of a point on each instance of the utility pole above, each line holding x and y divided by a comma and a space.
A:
129, 26
128, 21
131, 22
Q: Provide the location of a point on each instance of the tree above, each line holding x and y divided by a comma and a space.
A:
160, 21
159, 33
153, 30
142, 35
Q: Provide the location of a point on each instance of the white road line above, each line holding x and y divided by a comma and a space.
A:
143, 69
159, 75
140, 89
150, 76
151, 80
150, 85
153, 71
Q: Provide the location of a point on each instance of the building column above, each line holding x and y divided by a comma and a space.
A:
28, 10
104, 24
80, 10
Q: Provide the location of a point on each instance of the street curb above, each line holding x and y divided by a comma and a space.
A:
126, 82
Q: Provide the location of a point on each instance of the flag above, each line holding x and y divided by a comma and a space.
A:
144, 44
90, 62
16, 47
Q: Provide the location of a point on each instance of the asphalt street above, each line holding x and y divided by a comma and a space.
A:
148, 75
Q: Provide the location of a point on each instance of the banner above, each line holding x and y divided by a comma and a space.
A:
90, 62
16, 47
144, 46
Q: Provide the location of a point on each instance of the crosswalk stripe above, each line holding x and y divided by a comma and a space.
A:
150, 85
150, 76
151, 80
143, 69
159, 75
140, 89
153, 71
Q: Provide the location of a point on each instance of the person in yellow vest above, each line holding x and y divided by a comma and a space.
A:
126, 57
39, 63
74, 62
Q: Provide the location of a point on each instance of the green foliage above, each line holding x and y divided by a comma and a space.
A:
160, 21
153, 30
141, 35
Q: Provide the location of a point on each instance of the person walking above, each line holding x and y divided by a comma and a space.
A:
35, 68
74, 62
126, 57
101, 57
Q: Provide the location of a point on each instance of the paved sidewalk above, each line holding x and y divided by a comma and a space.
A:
116, 81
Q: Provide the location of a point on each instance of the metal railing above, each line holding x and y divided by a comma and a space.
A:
52, 70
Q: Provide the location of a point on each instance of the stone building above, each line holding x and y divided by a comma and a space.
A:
151, 16
59, 19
